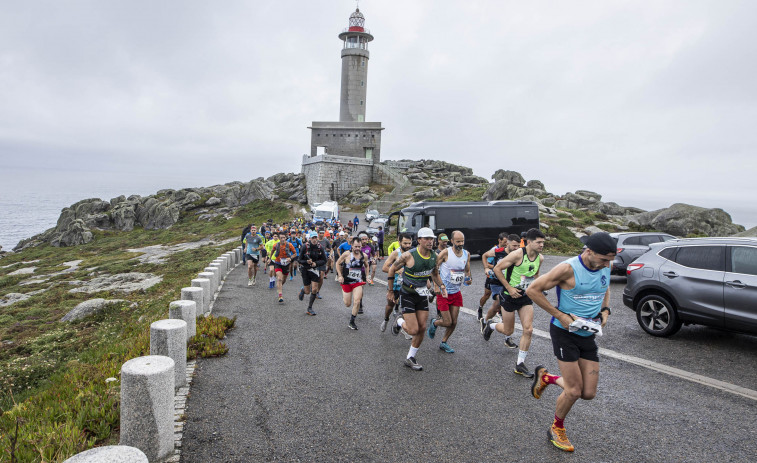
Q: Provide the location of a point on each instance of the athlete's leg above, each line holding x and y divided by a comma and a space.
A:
508, 323
347, 298
493, 310
485, 297
250, 266
357, 296
571, 380
453, 312
526, 315
590, 374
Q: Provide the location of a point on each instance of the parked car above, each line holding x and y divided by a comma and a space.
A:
706, 281
632, 245
371, 214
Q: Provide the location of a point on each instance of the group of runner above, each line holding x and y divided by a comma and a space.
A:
437, 268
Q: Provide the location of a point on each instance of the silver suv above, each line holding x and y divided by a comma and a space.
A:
632, 245
706, 281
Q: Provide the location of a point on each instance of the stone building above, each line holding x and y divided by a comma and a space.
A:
346, 154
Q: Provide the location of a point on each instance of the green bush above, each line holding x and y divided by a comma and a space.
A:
565, 222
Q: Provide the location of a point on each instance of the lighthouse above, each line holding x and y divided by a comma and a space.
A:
355, 57
345, 154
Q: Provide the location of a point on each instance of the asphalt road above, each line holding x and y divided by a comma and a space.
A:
300, 388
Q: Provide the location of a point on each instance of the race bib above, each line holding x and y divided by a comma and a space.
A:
456, 278
423, 291
586, 324
355, 274
285, 261
525, 282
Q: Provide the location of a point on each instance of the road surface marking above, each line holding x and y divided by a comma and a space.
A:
659, 367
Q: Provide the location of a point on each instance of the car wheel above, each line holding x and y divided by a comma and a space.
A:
657, 316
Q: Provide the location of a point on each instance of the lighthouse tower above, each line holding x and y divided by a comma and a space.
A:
345, 154
355, 56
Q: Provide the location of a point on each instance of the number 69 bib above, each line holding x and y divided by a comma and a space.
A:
456, 278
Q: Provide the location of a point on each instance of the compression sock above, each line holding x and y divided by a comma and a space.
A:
522, 356
559, 422
412, 351
312, 299
550, 379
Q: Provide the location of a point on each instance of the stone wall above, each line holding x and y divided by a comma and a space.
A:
332, 177
347, 139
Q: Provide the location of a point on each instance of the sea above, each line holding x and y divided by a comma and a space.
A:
31, 200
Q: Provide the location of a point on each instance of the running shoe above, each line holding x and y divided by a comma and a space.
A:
353, 326
539, 385
559, 439
481, 324
405, 334
301, 296
487, 332
446, 348
510, 343
311, 311
291, 277
318, 295
249, 282
431, 329
253, 280
522, 369
281, 299
383, 325
360, 310
413, 364
480, 313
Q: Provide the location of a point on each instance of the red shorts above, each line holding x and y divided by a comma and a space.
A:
349, 287
443, 303
279, 268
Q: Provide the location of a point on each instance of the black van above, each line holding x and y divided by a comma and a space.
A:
480, 221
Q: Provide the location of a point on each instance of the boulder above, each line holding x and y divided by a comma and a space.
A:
536, 184
123, 282
449, 190
123, 216
12, 298
683, 219
752, 232
589, 194
212, 201
548, 201
590, 230
502, 189
87, 308
510, 176
425, 194
74, 234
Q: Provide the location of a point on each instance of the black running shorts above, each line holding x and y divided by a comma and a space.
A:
511, 304
410, 303
253, 258
569, 347
308, 277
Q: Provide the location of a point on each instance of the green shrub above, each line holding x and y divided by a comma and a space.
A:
565, 222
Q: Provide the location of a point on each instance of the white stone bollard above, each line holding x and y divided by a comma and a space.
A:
217, 266
233, 255
238, 254
216, 274
169, 338
194, 294
147, 405
187, 311
227, 258
203, 283
110, 454
221, 262
213, 283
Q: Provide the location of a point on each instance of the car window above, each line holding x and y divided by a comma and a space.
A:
649, 239
744, 260
668, 253
632, 241
702, 257
668, 238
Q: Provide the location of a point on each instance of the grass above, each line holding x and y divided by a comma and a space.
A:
54, 400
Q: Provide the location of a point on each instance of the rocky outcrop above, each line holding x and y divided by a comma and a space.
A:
163, 209
362, 195
684, 219
512, 177
752, 232
122, 282
87, 308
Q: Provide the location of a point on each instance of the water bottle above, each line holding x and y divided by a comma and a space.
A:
467, 280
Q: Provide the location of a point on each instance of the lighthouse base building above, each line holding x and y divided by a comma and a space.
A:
344, 155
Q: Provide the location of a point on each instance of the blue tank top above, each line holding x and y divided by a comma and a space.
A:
585, 299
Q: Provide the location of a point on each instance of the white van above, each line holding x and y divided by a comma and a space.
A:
326, 211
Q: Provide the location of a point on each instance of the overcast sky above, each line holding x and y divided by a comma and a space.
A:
646, 102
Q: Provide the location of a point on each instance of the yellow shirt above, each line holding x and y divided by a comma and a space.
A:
392, 247
269, 246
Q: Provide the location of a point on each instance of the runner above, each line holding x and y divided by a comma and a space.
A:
269, 263
380, 239
522, 267
297, 243
352, 268
393, 246
311, 257
406, 242
443, 241
245, 232
323, 269
374, 257
418, 266
583, 298
282, 255
497, 254
487, 260
254, 244
453, 265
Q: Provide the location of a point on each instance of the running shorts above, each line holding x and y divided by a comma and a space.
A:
410, 303
308, 277
279, 268
444, 303
348, 287
569, 347
496, 291
264, 253
511, 304
255, 259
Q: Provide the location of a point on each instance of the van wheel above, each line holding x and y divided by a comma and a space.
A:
657, 316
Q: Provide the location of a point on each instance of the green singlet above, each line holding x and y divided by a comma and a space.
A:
417, 275
520, 276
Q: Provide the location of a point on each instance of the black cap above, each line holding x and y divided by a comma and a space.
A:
601, 243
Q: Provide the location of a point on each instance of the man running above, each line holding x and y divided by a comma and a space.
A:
487, 261
269, 263
352, 268
418, 266
254, 245
453, 265
282, 255
522, 267
311, 257
405, 243
490, 259
583, 300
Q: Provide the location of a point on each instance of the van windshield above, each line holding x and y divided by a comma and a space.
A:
406, 223
322, 214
